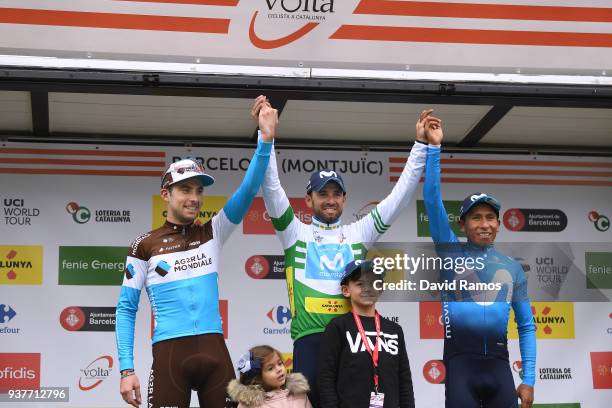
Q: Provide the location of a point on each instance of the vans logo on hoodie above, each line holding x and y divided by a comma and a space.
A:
387, 342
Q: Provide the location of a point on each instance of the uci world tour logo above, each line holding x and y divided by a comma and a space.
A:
600, 221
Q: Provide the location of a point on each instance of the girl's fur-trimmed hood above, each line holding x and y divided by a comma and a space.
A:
254, 395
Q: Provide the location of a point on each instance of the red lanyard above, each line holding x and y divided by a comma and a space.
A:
373, 354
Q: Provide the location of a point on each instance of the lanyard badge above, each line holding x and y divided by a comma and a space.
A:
366, 343
377, 400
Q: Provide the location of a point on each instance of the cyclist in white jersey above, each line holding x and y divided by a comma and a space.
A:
178, 265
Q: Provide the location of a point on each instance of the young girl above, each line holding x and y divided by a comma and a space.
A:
264, 382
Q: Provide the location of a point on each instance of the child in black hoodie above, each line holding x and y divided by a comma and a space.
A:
359, 375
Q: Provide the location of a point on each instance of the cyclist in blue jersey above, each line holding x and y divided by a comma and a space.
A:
178, 265
476, 322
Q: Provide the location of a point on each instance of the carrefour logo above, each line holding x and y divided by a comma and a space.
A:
6, 313
280, 314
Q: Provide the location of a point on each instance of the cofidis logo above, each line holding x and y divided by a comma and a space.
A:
19, 371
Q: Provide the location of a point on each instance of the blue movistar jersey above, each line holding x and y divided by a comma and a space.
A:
476, 322
178, 266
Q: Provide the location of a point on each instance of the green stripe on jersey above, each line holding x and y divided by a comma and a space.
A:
281, 223
380, 226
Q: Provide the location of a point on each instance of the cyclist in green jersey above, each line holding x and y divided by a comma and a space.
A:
316, 254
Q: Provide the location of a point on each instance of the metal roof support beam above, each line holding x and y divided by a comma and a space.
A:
323, 89
483, 127
39, 102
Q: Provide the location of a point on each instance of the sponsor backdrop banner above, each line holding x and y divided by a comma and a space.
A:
512, 36
65, 229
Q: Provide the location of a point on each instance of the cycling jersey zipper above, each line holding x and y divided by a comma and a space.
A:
192, 305
484, 317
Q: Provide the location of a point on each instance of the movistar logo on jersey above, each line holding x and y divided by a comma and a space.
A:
327, 261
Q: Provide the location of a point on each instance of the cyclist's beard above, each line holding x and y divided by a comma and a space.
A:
324, 216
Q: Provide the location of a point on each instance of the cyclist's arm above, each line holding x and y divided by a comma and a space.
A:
236, 207
439, 227
127, 306
277, 204
382, 216
526, 327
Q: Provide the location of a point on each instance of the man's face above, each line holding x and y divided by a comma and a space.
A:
480, 225
361, 291
328, 203
184, 201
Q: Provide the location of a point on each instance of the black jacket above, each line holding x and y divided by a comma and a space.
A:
346, 370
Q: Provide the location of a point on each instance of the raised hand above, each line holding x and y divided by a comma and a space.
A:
266, 117
420, 126
433, 130
257, 105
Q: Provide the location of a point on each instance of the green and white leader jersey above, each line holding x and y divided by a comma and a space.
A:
316, 254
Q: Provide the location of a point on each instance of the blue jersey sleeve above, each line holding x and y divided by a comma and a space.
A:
127, 306
526, 327
241, 200
439, 227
